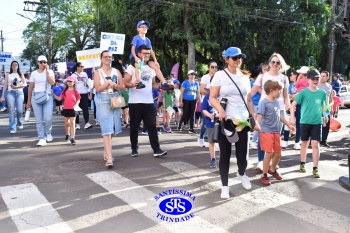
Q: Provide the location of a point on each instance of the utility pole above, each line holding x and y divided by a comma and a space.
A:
49, 25
331, 40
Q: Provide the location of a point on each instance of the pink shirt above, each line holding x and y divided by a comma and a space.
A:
337, 101
70, 98
301, 84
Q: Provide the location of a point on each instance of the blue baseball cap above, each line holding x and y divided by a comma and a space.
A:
233, 52
143, 22
176, 82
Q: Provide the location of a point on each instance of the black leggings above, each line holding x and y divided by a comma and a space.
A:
84, 105
241, 154
188, 112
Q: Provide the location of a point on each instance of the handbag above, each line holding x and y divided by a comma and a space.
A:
250, 118
41, 97
117, 102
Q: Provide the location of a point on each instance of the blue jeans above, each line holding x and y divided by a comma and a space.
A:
43, 116
203, 129
15, 100
256, 133
3, 103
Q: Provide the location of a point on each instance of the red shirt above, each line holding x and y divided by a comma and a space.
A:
337, 101
70, 98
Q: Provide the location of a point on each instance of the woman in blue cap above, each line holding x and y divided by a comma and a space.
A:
229, 84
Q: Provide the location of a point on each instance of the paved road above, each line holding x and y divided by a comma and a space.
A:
64, 188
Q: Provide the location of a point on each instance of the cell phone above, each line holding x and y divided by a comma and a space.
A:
108, 78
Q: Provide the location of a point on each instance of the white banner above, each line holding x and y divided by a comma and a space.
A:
112, 42
90, 58
5, 58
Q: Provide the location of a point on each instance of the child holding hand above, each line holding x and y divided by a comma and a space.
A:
268, 123
71, 99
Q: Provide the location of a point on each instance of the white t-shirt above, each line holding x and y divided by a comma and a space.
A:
144, 95
266, 76
103, 79
177, 97
206, 80
10, 78
39, 80
81, 82
235, 105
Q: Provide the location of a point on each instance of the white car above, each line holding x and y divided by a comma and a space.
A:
345, 94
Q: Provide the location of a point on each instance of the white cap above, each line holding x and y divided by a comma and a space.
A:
190, 72
303, 70
42, 58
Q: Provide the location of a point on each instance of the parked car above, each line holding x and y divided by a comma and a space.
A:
345, 94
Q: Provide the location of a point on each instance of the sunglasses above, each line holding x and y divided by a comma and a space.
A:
275, 62
192, 74
68, 81
81, 66
314, 79
42, 62
213, 67
236, 57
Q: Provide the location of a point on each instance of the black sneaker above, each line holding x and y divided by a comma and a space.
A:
325, 144
179, 128
160, 152
67, 138
134, 153
191, 131
140, 85
72, 141
166, 86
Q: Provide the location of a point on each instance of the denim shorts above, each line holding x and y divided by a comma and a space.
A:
109, 119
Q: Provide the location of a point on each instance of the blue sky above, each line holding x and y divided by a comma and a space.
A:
12, 25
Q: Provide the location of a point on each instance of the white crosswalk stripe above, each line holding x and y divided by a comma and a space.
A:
141, 199
31, 211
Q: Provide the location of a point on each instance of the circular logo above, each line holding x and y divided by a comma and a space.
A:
175, 206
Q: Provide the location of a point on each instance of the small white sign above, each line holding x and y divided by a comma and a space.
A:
112, 42
90, 58
5, 58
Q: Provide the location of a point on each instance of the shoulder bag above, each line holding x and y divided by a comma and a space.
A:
41, 97
251, 118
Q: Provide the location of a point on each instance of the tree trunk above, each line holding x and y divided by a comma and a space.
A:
191, 56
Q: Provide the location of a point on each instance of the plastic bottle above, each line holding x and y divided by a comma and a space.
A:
216, 131
27, 116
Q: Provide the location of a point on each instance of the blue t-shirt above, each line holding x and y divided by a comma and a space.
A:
256, 97
292, 89
138, 41
336, 85
207, 106
57, 90
190, 92
155, 93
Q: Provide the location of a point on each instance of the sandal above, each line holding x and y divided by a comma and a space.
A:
109, 163
105, 158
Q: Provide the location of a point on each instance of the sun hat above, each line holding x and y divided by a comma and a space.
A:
233, 52
303, 70
228, 128
190, 72
143, 22
42, 58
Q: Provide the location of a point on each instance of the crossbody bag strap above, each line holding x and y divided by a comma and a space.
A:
239, 93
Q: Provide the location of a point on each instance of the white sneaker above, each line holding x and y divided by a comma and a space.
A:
77, 126
245, 181
297, 146
254, 145
20, 127
259, 166
12, 131
49, 138
284, 144
42, 142
201, 142
225, 192
216, 147
87, 126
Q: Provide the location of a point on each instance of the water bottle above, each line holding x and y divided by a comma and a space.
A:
223, 103
288, 120
324, 122
114, 78
27, 116
216, 131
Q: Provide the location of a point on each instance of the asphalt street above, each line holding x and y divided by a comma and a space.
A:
65, 188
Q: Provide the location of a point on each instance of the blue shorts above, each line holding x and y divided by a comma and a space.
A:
109, 119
